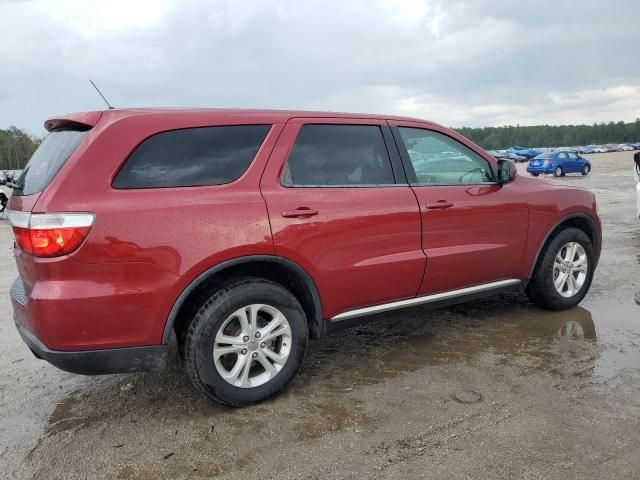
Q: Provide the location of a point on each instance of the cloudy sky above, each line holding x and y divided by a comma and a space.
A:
473, 63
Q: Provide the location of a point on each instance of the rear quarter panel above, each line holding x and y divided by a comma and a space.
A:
177, 233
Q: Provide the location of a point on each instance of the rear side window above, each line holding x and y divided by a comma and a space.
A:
192, 157
339, 155
47, 161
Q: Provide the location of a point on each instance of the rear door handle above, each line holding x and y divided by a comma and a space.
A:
302, 212
439, 205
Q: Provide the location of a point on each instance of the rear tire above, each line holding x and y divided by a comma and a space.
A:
558, 172
542, 288
236, 320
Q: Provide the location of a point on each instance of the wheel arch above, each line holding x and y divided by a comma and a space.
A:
270, 267
581, 221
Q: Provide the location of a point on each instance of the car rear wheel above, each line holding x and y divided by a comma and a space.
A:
558, 172
564, 271
585, 170
246, 342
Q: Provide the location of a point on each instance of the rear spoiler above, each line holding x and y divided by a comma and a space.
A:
81, 121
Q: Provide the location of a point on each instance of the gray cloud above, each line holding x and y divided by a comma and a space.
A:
483, 62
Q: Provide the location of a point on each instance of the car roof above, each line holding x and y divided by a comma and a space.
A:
259, 115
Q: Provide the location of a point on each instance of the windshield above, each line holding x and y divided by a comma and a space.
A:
47, 160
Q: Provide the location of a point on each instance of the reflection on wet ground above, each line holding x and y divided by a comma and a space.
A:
513, 331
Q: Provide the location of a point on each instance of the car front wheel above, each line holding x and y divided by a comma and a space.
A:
585, 170
246, 342
564, 271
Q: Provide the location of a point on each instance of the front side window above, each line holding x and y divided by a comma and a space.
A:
192, 157
441, 160
338, 155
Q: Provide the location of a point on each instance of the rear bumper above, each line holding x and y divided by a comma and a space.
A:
96, 362
540, 169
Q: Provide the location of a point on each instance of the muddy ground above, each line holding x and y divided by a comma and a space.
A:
491, 389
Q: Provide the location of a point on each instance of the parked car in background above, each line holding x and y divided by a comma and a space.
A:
508, 156
636, 146
559, 164
596, 149
282, 225
525, 152
623, 147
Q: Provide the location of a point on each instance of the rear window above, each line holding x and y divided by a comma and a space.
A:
192, 157
543, 156
47, 161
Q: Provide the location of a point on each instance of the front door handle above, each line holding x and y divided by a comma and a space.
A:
439, 205
302, 212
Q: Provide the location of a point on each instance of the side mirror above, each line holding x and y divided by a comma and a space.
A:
506, 171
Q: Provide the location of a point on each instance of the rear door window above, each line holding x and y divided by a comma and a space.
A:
192, 157
47, 161
338, 155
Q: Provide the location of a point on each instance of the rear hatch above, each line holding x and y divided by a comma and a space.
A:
52, 234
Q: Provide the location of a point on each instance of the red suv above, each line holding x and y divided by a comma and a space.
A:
248, 232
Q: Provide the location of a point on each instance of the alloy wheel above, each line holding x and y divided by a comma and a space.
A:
252, 345
570, 269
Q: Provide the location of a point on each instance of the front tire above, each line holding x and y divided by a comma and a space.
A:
535, 174
246, 342
585, 170
564, 271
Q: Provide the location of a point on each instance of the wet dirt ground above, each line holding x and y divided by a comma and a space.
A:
490, 389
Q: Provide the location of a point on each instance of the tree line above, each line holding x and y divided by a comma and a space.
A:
498, 138
16, 148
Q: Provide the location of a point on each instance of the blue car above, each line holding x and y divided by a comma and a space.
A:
524, 152
558, 163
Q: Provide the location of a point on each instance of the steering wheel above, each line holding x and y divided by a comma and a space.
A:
471, 172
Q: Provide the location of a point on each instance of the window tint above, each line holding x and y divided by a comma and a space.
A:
192, 157
47, 161
339, 155
562, 155
572, 156
438, 159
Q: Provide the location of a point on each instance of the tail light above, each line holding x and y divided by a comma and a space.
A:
547, 162
50, 234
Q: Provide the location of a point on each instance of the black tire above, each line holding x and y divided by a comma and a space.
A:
541, 289
535, 174
558, 172
585, 170
201, 334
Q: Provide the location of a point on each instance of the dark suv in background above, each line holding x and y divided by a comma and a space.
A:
248, 232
